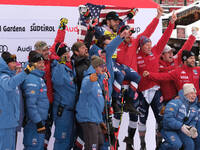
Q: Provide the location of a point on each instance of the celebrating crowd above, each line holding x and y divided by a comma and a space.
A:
84, 90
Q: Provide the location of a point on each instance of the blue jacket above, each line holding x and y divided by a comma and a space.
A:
91, 101
35, 93
63, 85
94, 50
175, 112
9, 93
110, 49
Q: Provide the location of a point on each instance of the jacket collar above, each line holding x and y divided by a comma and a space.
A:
38, 73
165, 63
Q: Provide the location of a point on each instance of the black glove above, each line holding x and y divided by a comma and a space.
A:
63, 22
29, 68
60, 110
41, 127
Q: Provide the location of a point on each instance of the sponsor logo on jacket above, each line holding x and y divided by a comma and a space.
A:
184, 77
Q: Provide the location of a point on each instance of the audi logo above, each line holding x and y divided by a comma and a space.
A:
3, 48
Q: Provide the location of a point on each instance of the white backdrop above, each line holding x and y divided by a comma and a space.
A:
22, 26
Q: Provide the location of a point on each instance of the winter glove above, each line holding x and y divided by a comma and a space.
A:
185, 129
29, 68
195, 31
93, 77
162, 110
63, 22
193, 132
40, 128
103, 128
63, 60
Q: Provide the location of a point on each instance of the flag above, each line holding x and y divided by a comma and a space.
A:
100, 12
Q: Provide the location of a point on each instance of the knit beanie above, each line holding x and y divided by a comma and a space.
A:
188, 87
8, 57
186, 54
143, 40
40, 45
61, 48
34, 57
97, 61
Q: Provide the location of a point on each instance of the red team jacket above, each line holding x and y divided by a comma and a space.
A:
181, 75
151, 62
126, 53
168, 88
59, 38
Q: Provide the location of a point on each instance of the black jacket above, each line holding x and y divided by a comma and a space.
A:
81, 64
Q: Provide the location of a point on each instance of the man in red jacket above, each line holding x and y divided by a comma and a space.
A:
150, 95
42, 48
186, 73
169, 62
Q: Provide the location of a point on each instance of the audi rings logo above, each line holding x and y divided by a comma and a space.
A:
3, 48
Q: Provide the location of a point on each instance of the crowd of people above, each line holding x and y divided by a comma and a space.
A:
84, 90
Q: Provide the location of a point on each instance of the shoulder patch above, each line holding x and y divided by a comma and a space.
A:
195, 71
171, 109
32, 92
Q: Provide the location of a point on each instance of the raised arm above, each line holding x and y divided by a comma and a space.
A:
187, 46
60, 36
10, 83
158, 48
152, 26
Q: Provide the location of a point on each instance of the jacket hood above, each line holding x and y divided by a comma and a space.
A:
38, 73
4, 67
89, 71
54, 63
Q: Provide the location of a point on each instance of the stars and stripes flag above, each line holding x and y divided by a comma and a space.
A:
100, 12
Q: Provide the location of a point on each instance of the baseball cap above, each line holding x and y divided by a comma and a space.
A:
112, 16
167, 49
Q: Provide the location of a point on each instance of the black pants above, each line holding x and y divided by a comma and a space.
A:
92, 135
